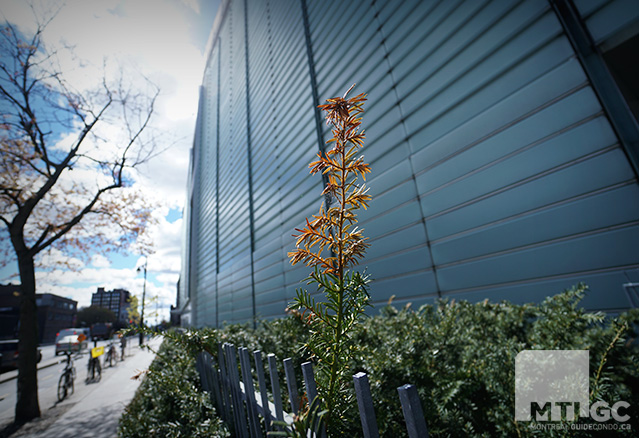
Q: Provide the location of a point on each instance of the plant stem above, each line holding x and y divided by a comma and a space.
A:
604, 357
340, 269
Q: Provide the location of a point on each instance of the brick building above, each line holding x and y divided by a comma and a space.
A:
116, 300
54, 313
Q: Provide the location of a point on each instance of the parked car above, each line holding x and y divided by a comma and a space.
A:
101, 330
9, 354
67, 340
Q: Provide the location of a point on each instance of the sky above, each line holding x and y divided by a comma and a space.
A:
164, 40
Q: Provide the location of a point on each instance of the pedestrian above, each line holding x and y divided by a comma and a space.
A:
122, 344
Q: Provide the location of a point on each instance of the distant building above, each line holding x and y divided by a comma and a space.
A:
54, 314
9, 310
116, 300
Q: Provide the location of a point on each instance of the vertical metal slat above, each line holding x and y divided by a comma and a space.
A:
249, 392
293, 395
275, 387
266, 411
365, 405
413, 414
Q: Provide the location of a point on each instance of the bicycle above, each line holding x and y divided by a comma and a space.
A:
94, 369
66, 379
112, 356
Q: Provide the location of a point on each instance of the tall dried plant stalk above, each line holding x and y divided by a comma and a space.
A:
332, 243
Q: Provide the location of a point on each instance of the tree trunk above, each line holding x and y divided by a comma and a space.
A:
27, 406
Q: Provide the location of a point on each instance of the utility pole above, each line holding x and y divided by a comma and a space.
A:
143, 296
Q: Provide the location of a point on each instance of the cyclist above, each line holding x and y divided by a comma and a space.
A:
111, 356
94, 369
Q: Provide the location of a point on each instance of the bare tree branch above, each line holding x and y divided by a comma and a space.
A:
29, 79
48, 131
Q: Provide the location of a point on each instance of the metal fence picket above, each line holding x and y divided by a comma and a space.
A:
214, 379
206, 370
230, 394
208, 376
249, 393
365, 405
311, 388
232, 406
309, 381
261, 380
413, 414
293, 395
199, 366
275, 387
238, 406
225, 385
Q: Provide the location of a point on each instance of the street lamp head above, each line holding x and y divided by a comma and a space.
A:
142, 267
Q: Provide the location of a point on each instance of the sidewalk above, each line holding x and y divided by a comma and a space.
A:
94, 413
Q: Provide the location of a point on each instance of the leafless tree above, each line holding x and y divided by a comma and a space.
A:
67, 158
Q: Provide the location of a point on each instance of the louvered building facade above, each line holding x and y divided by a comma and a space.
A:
502, 136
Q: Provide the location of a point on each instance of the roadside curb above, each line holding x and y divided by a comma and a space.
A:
14, 373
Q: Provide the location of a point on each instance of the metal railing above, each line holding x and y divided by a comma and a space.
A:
249, 411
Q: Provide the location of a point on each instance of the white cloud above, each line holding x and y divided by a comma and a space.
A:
167, 238
80, 294
54, 257
100, 261
164, 178
79, 285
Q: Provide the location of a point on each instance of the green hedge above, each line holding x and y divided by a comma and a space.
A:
461, 358
170, 402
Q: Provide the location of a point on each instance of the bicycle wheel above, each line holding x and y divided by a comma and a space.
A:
62, 387
98, 370
91, 371
112, 358
70, 382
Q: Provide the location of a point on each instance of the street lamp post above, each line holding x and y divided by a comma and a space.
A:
143, 296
